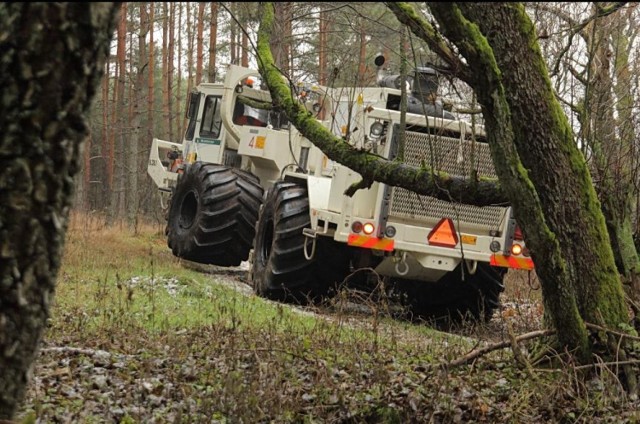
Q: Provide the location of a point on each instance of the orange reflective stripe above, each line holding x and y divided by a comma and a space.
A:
511, 262
370, 242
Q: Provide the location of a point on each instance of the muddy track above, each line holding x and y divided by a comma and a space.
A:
515, 316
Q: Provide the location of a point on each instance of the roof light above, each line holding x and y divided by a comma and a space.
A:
376, 129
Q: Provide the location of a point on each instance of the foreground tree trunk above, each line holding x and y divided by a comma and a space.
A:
53, 57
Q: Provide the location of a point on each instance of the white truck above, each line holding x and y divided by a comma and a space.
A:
244, 184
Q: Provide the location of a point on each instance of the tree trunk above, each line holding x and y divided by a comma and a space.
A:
117, 208
554, 200
166, 86
104, 191
628, 157
213, 38
151, 81
137, 100
362, 57
175, 111
233, 49
322, 46
199, 48
191, 35
281, 39
562, 220
40, 161
245, 50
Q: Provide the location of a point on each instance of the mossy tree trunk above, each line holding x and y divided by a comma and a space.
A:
541, 171
53, 57
617, 138
565, 227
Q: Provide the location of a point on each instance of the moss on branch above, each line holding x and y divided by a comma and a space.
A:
370, 166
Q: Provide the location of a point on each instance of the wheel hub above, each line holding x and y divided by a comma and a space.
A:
267, 238
188, 210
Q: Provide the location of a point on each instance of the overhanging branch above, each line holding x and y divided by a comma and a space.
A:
370, 166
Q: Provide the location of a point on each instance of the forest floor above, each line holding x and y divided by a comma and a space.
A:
137, 336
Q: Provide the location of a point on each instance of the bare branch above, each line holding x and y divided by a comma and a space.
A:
407, 15
497, 346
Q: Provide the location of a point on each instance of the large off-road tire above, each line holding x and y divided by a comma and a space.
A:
213, 213
279, 270
452, 299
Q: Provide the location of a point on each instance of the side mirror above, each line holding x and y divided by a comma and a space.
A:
379, 60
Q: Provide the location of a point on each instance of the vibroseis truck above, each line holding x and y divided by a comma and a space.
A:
244, 184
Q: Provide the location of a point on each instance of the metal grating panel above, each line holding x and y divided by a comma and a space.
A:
445, 154
450, 155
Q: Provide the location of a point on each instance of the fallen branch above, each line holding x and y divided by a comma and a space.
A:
610, 331
607, 364
496, 346
83, 351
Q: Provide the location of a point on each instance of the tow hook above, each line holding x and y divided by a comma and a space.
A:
402, 267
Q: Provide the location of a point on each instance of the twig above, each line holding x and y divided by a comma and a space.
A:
607, 364
610, 331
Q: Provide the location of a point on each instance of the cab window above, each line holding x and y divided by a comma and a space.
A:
211, 120
192, 114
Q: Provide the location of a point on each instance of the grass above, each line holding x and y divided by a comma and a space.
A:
136, 336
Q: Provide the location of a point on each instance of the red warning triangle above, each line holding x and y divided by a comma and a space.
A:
443, 234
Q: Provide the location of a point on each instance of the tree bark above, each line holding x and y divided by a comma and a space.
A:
554, 200
233, 45
323, 29
191, 43
213, 37
281, 40
178, 93
199, 47
166, 87
170, 69
117, 204
625, 160
151, 81
53, 56
103, 192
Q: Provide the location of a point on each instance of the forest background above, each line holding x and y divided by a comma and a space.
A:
161, 50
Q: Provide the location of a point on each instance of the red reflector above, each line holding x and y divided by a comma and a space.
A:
443, 234
517, 234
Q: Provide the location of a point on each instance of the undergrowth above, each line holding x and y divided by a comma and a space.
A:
138, 337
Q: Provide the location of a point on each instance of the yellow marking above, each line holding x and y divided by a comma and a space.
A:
467, 239
260, 140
